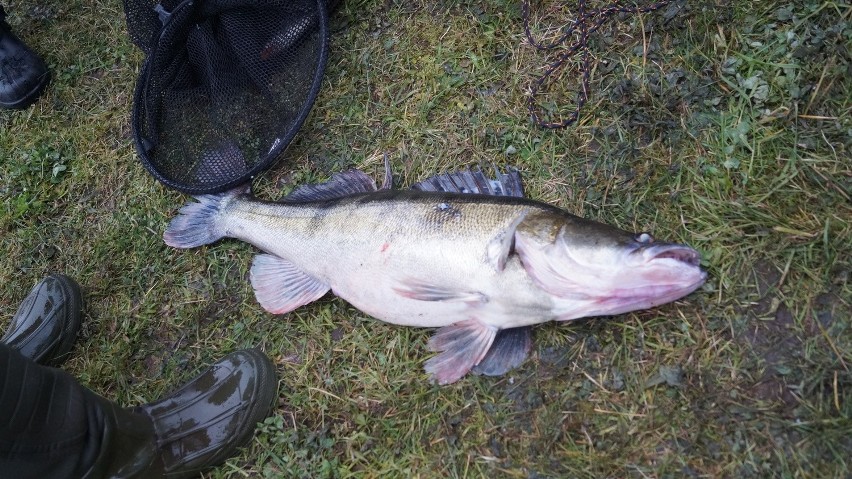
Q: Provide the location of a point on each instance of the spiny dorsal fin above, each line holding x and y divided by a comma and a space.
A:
475, 182
339, 185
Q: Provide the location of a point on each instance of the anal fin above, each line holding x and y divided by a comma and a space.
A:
462, 346
511, 348
280, 286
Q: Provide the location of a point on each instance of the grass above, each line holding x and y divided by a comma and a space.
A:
726, 127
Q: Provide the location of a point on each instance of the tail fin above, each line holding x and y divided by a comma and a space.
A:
196, 223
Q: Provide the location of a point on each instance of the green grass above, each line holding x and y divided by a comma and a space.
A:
728, 127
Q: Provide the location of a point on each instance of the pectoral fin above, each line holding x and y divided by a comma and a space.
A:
500, 247
511, 348
462, 345
280, 287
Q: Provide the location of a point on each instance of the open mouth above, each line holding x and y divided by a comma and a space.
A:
680, 253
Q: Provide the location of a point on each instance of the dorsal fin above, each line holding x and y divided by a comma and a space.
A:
341, 184
475, 182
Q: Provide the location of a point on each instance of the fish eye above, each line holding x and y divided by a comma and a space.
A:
644, 238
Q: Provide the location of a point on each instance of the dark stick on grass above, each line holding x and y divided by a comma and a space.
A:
587, 23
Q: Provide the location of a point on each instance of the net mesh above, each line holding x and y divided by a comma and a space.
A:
225, 85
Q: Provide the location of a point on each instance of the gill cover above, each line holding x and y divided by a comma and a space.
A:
540, 244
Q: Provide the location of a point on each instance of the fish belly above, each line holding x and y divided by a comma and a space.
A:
373, 256
377, 282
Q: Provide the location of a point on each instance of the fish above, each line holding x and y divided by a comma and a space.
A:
461, 252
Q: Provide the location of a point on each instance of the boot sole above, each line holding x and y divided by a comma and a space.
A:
30, 97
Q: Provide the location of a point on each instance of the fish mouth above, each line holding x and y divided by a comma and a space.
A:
683, 254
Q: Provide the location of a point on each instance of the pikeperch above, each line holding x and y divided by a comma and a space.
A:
459, 252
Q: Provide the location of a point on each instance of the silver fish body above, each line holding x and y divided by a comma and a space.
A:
471, 264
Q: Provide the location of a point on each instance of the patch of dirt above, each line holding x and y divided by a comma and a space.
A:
766, 277
773, 343
826, 307
774, 340
153, 365
166, 341
225, 300
221, 307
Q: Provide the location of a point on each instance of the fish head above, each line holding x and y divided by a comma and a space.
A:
598, 269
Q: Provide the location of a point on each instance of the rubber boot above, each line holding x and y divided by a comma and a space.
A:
46, 324
196, 427
61, 429
23, 74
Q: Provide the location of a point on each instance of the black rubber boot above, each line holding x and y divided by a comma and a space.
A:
56, 428
198, 426
23, 75
45, 327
